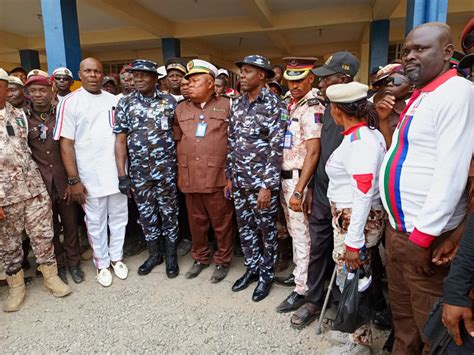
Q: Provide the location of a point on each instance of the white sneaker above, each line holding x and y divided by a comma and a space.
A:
336, 337
120, 269
104, 277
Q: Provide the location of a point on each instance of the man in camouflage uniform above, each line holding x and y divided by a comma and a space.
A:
256, 131
24, 205
300, 156
143, 124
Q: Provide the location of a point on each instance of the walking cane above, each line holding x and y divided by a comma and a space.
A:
326, 301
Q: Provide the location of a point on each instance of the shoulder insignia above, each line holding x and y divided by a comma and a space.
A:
20, 122
313, 101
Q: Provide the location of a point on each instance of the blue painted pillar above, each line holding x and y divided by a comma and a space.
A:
422, 11
379, 40
171, 47
61, 32
29, 59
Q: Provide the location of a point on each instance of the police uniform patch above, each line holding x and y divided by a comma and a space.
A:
313, 102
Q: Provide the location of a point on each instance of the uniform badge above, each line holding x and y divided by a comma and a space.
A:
313, 102
20, 122
217, 109
284, 117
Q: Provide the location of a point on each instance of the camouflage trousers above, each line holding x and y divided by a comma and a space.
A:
373, 232
298, 229
35, 216
252, 220
157, 205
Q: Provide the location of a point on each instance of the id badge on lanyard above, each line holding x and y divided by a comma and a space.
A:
201, 129
288, 142
149, 113
164, 123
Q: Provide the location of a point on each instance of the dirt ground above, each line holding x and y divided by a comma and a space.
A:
153, 314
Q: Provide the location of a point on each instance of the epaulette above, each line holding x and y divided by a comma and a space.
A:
313, 101
301, 102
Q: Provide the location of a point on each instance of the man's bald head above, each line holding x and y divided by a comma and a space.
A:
438, 31
90, 61
91, 74
426, 52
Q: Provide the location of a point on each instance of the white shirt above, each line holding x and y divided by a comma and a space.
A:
353, 170
88, 119
425, 171
60, 98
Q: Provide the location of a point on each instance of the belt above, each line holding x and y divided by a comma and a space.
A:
288, 174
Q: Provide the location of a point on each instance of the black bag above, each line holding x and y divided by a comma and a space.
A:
435, 331
355, 308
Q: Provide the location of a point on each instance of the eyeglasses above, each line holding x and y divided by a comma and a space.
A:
62, 78
468, 41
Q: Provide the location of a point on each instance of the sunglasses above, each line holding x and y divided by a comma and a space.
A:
394, 80
62, 78
468, 41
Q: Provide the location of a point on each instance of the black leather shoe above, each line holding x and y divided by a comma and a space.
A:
62, 273
286, 281
261, 291
77, 274
153, 260
291, 303
172, 268
134, 248
245, 281
184, 247
195, 270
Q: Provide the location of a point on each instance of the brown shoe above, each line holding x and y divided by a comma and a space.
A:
219, 274
195, 270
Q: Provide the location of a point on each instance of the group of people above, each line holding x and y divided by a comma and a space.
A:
358, 175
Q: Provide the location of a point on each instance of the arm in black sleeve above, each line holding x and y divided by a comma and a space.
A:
461, 275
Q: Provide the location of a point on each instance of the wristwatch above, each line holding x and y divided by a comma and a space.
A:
73, 180
297, 195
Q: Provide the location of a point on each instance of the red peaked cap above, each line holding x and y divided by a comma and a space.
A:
39, 80
466, 31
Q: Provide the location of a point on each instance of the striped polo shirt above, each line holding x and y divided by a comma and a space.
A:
423, 176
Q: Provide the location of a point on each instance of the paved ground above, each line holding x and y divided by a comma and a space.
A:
153, 314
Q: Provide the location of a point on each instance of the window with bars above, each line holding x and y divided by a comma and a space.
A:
394, 52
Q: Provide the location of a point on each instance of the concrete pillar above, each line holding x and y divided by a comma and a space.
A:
171, 47
29, 59
379, 40
422, 11
61, 32
364, 56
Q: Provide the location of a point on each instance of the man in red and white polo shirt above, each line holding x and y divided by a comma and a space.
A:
423, 180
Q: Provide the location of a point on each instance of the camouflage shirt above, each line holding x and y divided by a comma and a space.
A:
148, 123
255, 147
20, 178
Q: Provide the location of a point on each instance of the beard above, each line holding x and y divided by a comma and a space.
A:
414, 75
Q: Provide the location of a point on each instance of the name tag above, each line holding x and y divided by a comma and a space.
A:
164, 123
288, 140
201, 129
149, 113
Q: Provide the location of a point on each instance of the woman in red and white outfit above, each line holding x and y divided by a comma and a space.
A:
353, 171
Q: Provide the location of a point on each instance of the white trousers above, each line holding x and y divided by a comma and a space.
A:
111, 210
298, 229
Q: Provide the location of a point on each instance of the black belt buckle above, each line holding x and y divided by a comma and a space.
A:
287, 174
